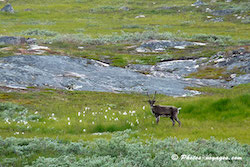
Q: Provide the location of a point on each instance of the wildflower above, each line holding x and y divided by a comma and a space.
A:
22, 133
84, 130
143, 107
109, 108
124, 113
52, 114
106, 110
68, 118
36, 112
44, 122
68, 123
105, 117
79, 114
137, 121
146, 129
80, 120
93, 122
83, 115
113, 113
116, 119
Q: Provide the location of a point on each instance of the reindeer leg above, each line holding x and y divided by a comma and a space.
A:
157, 119
172, 120
179, 122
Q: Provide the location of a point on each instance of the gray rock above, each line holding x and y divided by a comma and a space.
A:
8, 8
222, 12
125, 8
10, 40
166, 7
145, 69
161, 45
177, 67
240, 61
31, 40
242, 79
61, 71
218, 19
198, 3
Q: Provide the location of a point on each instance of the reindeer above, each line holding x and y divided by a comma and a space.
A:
165, 111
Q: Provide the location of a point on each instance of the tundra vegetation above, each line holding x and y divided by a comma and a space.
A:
48, 127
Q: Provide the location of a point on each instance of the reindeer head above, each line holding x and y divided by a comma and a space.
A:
151, 102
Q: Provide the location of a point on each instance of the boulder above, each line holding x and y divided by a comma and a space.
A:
222, 12
198, 3
162, 45
11, 40
8, 8
125, 8
218, 19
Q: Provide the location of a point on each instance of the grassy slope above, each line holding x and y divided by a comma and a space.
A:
221, 113
104, 17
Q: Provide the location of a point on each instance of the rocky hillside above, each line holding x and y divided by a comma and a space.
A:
125, 46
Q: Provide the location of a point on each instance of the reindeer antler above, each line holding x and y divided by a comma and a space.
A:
154, 95
148, 96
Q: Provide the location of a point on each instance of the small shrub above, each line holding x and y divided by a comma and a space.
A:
120, 150
38, 32
217, 39
112, 39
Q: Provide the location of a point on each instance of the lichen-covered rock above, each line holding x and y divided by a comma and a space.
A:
162, 45
8, 8
11, 40
222, 12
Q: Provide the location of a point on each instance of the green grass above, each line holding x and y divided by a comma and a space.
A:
222, 113
106, 18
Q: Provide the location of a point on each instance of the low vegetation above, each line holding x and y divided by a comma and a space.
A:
121, 151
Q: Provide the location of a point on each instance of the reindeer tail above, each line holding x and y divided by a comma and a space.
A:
179, 110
